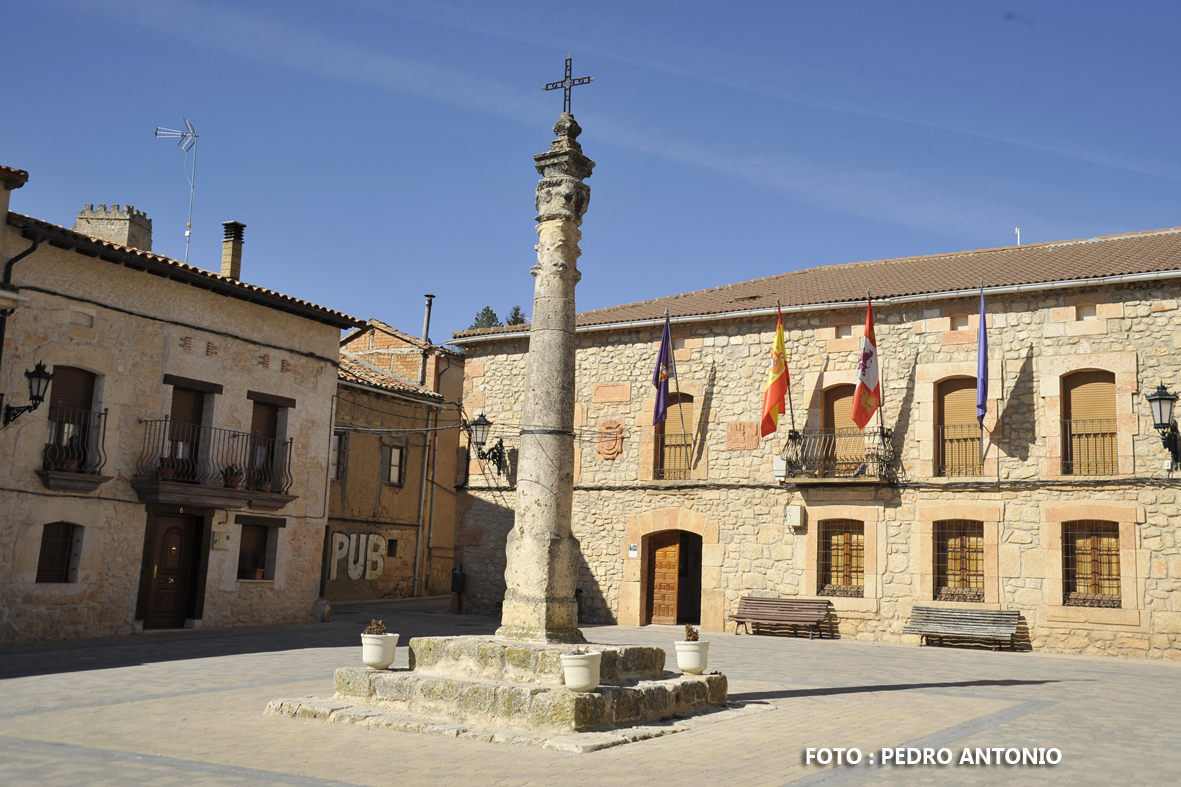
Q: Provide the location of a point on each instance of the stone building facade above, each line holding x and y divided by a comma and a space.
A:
176, 473
1069, 515
388, 536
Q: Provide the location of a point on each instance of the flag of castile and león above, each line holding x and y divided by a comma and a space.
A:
777, 381
868, 396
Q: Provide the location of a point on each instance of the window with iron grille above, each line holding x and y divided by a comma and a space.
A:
673, 440
1089, 424
958, 432
1090, 564
61, 547
253, 552
959, 560
842, 558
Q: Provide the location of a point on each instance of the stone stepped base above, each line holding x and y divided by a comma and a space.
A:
528, 707
492, 659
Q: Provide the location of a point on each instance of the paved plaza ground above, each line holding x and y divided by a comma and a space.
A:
185, 708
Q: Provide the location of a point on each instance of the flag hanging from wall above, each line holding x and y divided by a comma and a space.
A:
777, 382
982, 363
868, 396
666, 369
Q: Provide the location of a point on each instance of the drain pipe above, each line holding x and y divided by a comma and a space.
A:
5, 313
426, 339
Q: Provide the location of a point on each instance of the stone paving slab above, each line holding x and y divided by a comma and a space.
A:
173, 711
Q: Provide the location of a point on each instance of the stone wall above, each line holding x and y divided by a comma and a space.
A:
130, 329
739, 509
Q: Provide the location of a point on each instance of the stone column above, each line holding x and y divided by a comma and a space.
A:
541, 568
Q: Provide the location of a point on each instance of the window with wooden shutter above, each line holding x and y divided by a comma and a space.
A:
957, 431
674, 439
72, 425
1091, 564
392, 464
1089, 424
842, 558
252, 552
841, 444
264, 420
184, 432
264, 425
959, 560
61, 544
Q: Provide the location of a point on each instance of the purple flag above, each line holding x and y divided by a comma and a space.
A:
666, 369
982, 363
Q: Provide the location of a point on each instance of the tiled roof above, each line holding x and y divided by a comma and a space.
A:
179, 271
1062, 261
354, 370
406, 337
13, 178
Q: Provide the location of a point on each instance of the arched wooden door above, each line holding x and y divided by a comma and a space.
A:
664, 560
172, 557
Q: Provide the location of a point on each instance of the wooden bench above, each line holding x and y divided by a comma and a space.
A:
939, 623
780, 612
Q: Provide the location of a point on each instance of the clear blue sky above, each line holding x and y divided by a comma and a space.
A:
379, 150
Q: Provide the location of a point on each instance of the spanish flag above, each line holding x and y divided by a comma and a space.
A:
868, 396
777, 380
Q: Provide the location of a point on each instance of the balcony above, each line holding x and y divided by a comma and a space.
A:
840, 456
1089, 447
674, 457
73, 457
958, 448
201, 466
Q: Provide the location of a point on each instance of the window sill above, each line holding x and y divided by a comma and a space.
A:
257, 581
960, 605
1100, 616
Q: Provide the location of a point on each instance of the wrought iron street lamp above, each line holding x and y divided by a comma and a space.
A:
39, 380
1162, 403
495, 454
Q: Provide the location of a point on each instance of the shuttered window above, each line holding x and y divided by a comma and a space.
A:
264, 420
842, 558
1089, 424
838, 407
71, 388
184, 432
841, 444
957, 430
674, 439
60, 544
188, 406
392, 464
252, 553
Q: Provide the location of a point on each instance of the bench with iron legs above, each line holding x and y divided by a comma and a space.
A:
938, 623
777, 612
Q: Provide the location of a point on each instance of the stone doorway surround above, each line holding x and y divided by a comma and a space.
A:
633, 593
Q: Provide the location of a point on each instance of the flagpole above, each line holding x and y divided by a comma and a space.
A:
984, 328
882, 377
791, 407
672, 357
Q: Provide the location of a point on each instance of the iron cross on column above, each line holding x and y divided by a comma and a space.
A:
566, 84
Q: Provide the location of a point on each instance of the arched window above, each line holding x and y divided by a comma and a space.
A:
61, 549
959, 560
841, 444
842, 558
673, 440
957, 431
1089, 424
1090, 564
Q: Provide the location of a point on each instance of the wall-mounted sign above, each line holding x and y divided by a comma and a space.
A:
633, 550
364, 554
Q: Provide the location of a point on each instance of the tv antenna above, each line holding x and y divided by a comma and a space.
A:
1018, 231
187, 141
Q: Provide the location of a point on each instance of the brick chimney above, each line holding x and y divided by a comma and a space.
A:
125, 226
231, 250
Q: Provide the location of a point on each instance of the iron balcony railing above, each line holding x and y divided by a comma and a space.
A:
76, 441
841, 453
194, 454
1089, 447
674, 457
958, 449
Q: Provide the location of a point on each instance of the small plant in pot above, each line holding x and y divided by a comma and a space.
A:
166, 468
231, 476
693, 653
580, 669
258, 566
378, 647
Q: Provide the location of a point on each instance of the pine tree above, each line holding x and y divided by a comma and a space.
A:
486, 318
515, 317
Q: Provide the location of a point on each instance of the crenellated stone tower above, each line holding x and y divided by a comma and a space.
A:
542, 553
124, 225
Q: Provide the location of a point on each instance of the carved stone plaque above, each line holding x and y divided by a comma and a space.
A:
610, 439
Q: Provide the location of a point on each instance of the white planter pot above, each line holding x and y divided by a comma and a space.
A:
581, 671
377, 650
692, 657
